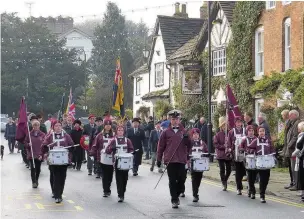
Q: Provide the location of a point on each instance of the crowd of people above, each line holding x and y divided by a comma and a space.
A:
168, 143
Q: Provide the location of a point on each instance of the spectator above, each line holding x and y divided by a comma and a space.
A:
165, 123
42, 125
289, 147
149, 127
10, 134
262, 122
202, 126
248, 117
285, 116
69, 125
48, 123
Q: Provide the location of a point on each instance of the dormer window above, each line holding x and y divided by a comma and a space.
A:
159, 74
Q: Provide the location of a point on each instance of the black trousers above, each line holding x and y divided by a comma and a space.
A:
196, 182
107, 176
225, 169
292, 181
177, 178
24, 156
11, 143
240, 172
35, 172
78, 157
183, 186
57, 179
121, 181
264, 179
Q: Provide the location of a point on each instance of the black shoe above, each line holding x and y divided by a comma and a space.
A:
249, 194
120, 199
182, 195
174, 205
195, 198
135, 174
35, 185
105, 195
90, 173
97, 177
253, 196
239, 192
58, 200
263, 200
151, 169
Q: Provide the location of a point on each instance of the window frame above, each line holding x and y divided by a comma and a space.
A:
287, 48
269, 6
258, 64
219, 61
159, 84
138, 86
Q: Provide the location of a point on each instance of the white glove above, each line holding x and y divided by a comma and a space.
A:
295, 153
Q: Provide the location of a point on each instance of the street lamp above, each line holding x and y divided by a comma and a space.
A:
85, 79
209, 125
146, 53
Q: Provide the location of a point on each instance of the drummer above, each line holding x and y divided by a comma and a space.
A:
198, 147
114, 146
255, 147
246, 146
57, 172
101, 142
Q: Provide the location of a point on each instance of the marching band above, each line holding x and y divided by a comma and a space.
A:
118, 151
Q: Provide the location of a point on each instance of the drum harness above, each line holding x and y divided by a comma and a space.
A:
238, 138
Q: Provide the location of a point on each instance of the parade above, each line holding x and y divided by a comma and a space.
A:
190, 119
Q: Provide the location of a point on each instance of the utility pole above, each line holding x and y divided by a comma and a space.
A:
29, 4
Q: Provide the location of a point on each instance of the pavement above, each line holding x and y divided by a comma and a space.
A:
83, 198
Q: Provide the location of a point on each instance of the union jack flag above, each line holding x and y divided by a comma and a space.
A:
71, 108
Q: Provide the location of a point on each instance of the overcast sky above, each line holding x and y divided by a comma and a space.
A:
78, 8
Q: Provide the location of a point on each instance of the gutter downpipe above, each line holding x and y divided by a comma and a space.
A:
169, 69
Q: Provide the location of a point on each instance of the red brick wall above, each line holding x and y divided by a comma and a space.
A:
273, 22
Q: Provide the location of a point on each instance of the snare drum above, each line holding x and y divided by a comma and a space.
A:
250, 162
124, 161
106, 158
58, 156
200, 164
265, 162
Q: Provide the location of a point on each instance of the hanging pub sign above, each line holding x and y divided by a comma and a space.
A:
192, 78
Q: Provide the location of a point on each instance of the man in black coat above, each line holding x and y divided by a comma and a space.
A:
153, 142
248, 117
137, 137
149, 127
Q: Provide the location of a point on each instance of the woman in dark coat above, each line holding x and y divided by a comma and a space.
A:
78, 152
299, 152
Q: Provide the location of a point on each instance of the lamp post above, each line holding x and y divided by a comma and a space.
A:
85, 107
209, 125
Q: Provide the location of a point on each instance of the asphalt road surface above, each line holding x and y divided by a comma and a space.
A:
83, 198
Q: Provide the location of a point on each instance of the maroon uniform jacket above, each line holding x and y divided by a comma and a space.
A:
254, 148
231, 138
168, 143
37, 138
220, 147
98, 144
67, 141
120, 141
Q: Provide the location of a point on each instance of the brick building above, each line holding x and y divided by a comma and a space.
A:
279, 38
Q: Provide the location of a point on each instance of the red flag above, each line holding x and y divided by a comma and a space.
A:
22, 130
233, 107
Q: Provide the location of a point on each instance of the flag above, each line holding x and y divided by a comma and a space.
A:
71, 108
118, 92
232, 106
22, 129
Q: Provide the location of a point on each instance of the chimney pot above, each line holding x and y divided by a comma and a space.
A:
184, 9
177, 8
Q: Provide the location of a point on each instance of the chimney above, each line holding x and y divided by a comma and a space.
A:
184, 11
177, 8
204, 12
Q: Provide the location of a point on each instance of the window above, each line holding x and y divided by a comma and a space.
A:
286, 2
138, 82
270, 4
259, 51
213, 109
219, 62
159, 74
258, 105
287, 52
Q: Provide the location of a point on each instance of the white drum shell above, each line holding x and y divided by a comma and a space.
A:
124, 161
106, 158
58, 156
250, 162
264, 162
200, 165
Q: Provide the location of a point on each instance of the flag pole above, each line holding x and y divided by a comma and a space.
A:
28, 129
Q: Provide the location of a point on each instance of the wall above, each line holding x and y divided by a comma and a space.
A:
273, 20
159, 46
75, 39
144, 89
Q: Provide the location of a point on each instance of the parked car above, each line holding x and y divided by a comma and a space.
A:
4, 121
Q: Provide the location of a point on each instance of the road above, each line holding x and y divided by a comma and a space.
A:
83, 198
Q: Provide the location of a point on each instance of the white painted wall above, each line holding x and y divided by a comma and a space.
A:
159, 46
77, 40
144, 89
